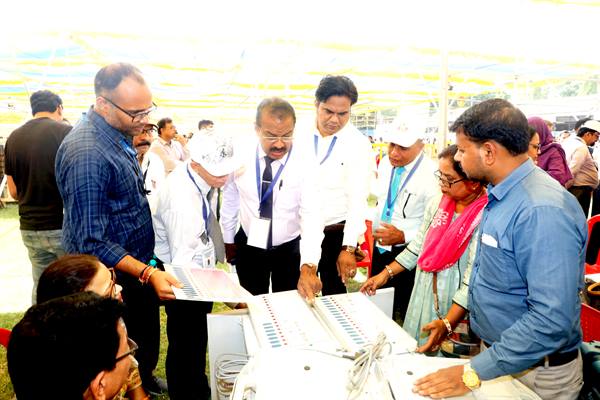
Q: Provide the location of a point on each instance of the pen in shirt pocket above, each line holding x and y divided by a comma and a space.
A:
280, 184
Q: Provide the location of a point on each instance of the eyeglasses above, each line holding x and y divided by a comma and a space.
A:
273, 139
445, 181
136, 116
132, 349
110, 291
536, 147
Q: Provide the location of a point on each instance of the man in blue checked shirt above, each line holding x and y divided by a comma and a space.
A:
106, 210
523, 291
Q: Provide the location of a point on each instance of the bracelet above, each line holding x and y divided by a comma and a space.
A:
150, 274
448, 326
143, 272
389, 271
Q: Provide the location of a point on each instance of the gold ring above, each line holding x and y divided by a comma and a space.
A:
380, 241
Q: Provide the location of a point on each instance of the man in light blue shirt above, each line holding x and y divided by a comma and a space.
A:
523, 291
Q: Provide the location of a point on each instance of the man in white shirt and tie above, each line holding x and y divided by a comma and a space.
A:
153, 169
346, 165
187, 233
281, 228
405, 185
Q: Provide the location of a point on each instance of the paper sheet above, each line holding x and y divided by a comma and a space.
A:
206, 284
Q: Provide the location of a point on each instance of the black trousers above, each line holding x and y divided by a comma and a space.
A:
402, 284
186, 354
142, 319
584, 196
330, 250
256, 267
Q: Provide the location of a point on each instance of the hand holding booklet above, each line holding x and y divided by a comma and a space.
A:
206, 284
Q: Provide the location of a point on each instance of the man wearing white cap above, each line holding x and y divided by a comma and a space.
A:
187, 232
581, 163
405, 184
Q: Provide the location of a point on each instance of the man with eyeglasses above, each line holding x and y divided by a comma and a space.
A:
106, 208
170, 147
281, 226
405, 185
72, 347
153, 169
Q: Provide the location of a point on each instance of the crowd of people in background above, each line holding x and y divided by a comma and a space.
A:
104, 204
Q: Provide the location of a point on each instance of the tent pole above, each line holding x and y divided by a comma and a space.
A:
443, 103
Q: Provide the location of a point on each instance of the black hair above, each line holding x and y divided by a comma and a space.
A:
110, 76
162, 123
336, 86
448, 153
275, 106
581, 122
532, 131
61, 345
583, 131
67, 275
44, 101
497, 120
204, 122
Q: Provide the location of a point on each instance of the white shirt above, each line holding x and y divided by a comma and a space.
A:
581, 163
153, 170
296, 207
343, 178
411, 202
171, 153
178, 221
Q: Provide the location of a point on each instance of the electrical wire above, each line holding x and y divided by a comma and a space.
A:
359, 373
227, 368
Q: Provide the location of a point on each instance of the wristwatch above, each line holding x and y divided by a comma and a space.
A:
470, 377
349, 249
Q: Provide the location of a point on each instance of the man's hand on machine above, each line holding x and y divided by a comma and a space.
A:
309, 284
346, 265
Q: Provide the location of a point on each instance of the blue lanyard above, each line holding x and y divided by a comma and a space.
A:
390, 201
328, 150
204, 208
273, 182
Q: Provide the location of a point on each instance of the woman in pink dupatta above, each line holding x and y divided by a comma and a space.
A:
443, 251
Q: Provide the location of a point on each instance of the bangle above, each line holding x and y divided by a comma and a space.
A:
150, 274
143, 272
389, 271
448, 326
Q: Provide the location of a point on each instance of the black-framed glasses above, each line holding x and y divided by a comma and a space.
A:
136, 116
536, 147
110, 291
132, 349
445, 181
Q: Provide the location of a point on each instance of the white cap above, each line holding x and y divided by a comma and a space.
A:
592, 124
216, 153
404, 134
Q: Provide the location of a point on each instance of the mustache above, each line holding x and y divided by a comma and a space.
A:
143, 143
277, 149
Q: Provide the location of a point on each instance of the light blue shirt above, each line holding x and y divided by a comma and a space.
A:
523, 293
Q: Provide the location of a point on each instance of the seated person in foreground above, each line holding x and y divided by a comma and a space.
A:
73, 347
443, 249
75, 273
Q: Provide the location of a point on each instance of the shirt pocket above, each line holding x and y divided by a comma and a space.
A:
495, 267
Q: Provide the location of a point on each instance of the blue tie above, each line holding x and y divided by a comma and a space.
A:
266, 207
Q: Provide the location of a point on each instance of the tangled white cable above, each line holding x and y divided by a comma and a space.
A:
359, 373
227, 368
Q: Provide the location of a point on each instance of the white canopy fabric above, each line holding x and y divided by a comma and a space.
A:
217, 61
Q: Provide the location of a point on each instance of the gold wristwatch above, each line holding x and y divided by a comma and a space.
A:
470, 377
349, 249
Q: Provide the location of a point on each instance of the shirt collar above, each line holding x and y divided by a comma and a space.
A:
411, 164
104, 127
501, 189
164, 142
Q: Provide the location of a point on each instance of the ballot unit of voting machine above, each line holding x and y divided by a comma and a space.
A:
340, 347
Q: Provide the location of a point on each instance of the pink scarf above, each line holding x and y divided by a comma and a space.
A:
447, 240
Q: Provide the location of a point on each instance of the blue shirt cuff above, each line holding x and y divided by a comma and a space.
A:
485, 365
